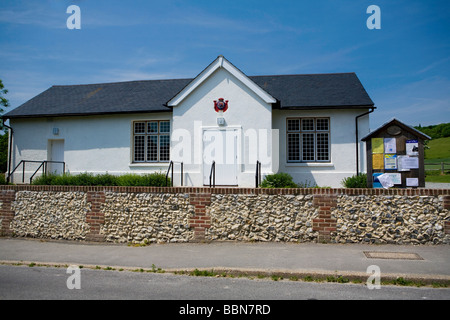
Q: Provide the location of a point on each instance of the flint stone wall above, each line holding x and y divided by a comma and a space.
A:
262, 218
390, 219
54, 215
160, 215
147, 218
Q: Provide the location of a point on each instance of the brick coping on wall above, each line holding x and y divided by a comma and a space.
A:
256, 191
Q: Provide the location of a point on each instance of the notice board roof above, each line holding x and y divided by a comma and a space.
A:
396, 122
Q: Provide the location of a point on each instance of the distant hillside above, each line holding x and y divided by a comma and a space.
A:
438, 150
436, 131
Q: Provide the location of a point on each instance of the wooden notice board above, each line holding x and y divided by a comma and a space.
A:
395, 156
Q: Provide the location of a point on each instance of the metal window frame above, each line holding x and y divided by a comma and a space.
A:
314, 132
147, 134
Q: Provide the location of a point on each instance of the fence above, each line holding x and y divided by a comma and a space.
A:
441, 166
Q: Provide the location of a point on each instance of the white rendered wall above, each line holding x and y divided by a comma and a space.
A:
343, 149
247, 113
94, 144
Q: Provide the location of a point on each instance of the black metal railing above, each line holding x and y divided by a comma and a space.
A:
212, 175
170, 170
43, 165
258, 174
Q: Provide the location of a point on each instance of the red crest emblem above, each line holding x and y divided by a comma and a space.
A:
220, 105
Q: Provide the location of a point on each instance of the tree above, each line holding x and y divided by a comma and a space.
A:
3, 101
4, 137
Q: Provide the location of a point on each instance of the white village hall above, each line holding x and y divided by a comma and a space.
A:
221, 123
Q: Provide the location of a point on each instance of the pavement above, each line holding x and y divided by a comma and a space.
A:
317, 260
437, 185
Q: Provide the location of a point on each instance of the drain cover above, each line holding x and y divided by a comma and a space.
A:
392, 255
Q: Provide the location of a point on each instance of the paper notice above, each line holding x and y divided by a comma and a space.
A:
376, 182
377, 161
412, 147
386, 181
390, 161
377, 145
412, 182
396, 178
405, 163
390, 145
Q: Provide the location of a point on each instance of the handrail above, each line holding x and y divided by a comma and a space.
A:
42, 163
170, 169
44, 168
258, 174
167, 174
212, 175
43, 171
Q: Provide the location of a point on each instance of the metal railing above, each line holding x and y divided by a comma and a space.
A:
258, 174
43, 165
212, 175
170, 170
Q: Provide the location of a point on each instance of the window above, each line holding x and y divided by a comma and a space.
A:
308, 139
151, 141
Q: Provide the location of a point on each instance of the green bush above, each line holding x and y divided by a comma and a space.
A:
2, 178
356, 181
88, 179
134, 180
278, 180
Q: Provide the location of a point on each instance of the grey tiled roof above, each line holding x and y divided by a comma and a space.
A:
315, 90
291, 91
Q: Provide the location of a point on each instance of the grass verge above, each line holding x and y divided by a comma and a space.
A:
292, 277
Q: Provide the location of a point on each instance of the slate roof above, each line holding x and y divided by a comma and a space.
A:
338, 90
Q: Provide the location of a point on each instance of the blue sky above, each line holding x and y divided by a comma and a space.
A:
404, 66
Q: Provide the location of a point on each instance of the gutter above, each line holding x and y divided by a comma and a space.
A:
11, 131
356, 137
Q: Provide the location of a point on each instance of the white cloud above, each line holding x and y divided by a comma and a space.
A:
424, 102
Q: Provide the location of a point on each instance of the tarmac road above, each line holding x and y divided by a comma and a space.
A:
47, 283
299, 259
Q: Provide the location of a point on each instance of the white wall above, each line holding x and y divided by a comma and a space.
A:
95, 144
246, 113
99, 144
343, 150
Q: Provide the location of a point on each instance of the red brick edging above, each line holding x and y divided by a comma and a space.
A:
324, 224
95, 217
200, 221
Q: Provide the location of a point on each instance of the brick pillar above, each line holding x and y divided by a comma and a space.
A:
325, 224
95, 218
200, 221
446, 200
6, 212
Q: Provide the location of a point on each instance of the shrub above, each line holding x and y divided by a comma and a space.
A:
2, 178
88, 179
105, 179
45, 179
356, 181
278, 180
156, 179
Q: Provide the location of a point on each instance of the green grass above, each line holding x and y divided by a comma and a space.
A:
438, 179
439, 151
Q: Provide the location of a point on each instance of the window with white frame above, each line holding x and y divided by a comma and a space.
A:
151, 141
308, 139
